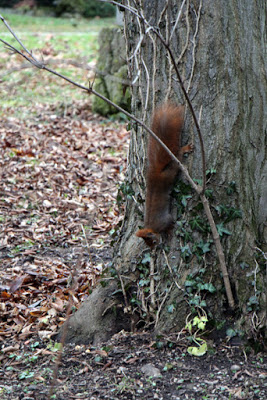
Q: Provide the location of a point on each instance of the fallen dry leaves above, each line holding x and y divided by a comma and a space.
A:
59, 180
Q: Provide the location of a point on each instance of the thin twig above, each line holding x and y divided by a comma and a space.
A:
163, 11
177, 20
219, 250
152, 279
171, 272
19, 41
194, 47
162, 303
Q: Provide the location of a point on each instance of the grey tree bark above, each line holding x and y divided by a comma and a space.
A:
220, 48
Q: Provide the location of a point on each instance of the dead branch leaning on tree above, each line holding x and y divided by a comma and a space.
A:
198, 189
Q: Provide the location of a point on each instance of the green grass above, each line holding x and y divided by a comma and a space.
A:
53, 39
26, 23
75, 45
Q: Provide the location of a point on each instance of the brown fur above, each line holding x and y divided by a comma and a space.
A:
167, 124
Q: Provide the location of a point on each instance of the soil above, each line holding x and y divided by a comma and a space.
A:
134, 366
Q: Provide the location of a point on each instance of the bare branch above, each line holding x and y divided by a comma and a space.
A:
152, 280
177, 20
19, 41
163, 11
194, 47
74, 63
219, 250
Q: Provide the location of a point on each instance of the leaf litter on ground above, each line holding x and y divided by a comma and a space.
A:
59, 180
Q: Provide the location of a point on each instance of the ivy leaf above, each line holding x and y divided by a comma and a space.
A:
201, 325
209, 287
222, 230
231, 189
211, 171
189, 326
185, 251
231, 332
253, 300
184, 200
198, 351
204, 246
146, 258
189, 283
143, 282
170, 308
208, 193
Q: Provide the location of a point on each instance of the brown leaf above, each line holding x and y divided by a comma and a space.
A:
17, 283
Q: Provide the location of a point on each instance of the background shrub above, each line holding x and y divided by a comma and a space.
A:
86, 8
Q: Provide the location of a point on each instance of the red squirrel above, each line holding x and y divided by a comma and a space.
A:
167, 124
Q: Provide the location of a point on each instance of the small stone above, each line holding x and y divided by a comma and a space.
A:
150, 370
235, 368
47, 204
122, 370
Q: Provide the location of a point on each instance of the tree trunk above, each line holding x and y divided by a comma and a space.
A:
220, 48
